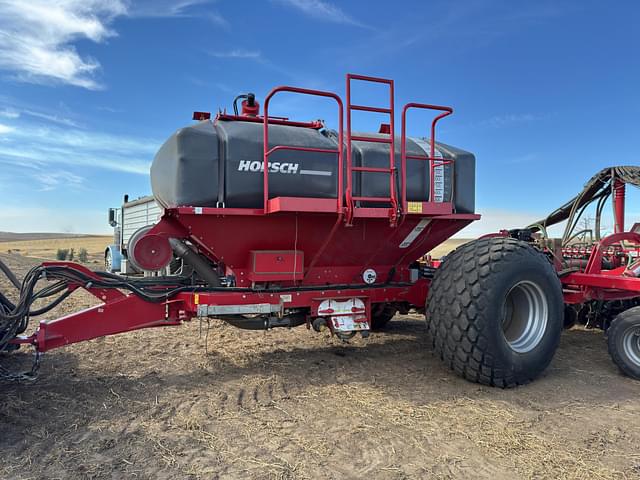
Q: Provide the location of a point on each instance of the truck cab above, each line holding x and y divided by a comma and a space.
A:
132, 216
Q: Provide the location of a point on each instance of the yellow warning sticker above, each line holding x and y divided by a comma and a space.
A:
414, 207
196, 299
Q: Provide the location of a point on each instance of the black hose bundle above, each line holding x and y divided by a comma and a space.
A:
14, 318
597, 189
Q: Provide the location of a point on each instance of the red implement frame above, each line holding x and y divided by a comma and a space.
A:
594, 283
121, 313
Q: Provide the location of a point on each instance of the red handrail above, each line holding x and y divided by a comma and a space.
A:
432, 150
268, 151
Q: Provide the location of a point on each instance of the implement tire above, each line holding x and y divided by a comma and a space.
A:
495, 312
381, 314
623, 339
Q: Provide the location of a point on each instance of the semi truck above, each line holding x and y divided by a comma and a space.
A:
129, 221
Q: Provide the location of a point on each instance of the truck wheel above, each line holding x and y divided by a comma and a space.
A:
623, 338
108, 262
495, 312
381, 314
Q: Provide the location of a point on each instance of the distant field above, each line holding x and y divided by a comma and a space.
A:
14, 237
447, 246
46, 248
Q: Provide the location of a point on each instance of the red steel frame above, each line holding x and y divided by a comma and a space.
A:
121, 313
596, 284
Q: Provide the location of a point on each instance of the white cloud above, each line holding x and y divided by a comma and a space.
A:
57, 179
9, 113
164, 8
36, 38
176, 9
51, 118
237, 53
34, 146
5, 129
322, 10
509, 119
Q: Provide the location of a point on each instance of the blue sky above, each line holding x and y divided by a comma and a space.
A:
545, 93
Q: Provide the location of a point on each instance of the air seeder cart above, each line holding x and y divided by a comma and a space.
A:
282, 223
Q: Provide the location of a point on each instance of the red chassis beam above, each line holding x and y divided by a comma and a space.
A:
596, 284
581, 287
121, 313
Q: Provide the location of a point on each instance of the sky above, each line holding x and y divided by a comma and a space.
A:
545, 93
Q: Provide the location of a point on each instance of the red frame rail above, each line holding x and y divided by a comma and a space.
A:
119, 312
268, 151
432, 149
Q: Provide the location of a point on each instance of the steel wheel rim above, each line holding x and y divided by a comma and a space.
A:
631, 344
525, 316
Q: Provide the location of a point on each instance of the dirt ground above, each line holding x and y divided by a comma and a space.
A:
195, 402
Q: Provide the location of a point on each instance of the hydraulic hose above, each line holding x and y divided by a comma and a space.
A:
10, 275
193, 259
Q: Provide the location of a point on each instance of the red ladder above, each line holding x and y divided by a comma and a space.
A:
351, 208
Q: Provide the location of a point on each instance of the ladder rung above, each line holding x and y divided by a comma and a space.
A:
371, 169
364, 108
359, 138
371, 199
353, 76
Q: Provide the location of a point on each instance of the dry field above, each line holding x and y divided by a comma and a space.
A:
46, 248
209, 401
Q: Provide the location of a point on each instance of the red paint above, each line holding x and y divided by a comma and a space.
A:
201, 116
268, 151
250, 110
122, 313
334, 252
392, 199
618, 204
278, 265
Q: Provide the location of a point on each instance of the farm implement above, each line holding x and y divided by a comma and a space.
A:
269, 222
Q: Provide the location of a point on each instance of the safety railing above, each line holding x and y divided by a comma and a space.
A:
392, 198
434, 161
268, 151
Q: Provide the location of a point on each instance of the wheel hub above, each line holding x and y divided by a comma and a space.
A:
631, 344
525, 316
